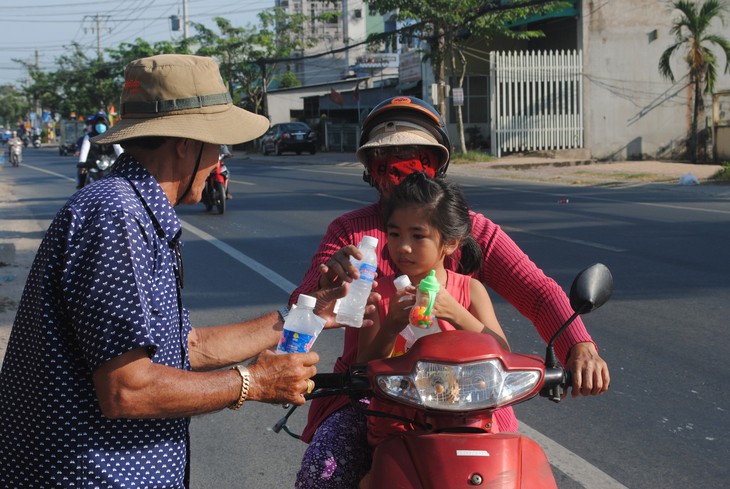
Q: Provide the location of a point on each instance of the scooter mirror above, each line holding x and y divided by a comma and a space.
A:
591, 288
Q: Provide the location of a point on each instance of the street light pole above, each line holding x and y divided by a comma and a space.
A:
185, 19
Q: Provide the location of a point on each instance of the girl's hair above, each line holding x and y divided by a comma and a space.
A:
448, 211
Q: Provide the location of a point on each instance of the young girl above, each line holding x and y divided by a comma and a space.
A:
426, 221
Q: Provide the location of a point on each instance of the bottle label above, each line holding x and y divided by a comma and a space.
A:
367, 272
293, 342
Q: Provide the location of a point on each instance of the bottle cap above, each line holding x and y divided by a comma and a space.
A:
402, 282
368, 241
430, 284
306, 301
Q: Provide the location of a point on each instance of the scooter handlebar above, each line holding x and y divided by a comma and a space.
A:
330, 381
557, 381
341, 383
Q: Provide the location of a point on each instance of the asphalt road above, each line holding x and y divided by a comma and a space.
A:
662, 424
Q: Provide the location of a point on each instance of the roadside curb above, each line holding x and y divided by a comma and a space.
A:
502, 165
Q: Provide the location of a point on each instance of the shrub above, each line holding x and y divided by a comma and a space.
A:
724, 173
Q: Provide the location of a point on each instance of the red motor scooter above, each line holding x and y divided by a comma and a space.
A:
215, 192
455, 380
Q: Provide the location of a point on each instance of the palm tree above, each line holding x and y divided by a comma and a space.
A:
691, 34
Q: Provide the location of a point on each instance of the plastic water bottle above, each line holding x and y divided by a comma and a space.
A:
352, 307
301, 328
400, 284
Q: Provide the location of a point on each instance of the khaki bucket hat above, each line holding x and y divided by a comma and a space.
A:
182, 96
400, 133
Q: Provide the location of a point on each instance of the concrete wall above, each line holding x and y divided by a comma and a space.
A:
630, 110
282, 102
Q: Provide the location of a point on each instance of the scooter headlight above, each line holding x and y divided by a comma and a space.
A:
103, 163
465, 387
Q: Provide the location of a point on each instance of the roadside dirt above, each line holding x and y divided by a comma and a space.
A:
608, 174
23, 235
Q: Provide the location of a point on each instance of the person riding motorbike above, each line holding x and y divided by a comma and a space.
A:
225, 153
22, 134
402, 135
13, 142
90, 152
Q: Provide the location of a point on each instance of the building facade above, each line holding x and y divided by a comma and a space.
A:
341, 27
627, 109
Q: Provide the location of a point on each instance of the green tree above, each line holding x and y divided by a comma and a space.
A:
242, 52
231, 49
447, 26
281, 35
126, 52
13, 106
80, 84
692, 35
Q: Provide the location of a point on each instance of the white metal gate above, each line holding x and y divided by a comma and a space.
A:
536, 100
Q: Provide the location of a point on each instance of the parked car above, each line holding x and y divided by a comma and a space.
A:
290, 137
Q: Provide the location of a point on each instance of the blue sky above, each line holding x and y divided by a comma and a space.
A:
46, 26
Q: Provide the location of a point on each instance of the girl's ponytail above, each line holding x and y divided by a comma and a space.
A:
471, 255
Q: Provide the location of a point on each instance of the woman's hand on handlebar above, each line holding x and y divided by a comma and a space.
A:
589, 371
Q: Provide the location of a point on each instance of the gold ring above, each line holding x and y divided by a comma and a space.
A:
310, 386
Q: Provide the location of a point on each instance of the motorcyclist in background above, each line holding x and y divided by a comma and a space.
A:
15, 141
225, 153
22, 133
90, 152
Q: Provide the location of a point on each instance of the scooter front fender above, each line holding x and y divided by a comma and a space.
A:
459, 460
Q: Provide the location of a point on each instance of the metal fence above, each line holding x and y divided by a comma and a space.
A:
341, 136
536, 101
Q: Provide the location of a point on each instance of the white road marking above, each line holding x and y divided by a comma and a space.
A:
581, 242
257, 267
43, 170
241, 182
345, 199
571, 464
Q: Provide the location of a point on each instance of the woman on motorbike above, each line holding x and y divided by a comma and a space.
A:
392, 141
90, 152
15, 149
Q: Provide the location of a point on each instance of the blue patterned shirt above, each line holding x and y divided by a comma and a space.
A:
102, 284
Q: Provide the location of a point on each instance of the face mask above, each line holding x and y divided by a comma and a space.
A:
389, 169
100, 128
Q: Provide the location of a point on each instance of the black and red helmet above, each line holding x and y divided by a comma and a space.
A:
409, 114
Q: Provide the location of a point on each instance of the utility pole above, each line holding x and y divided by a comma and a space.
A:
98, 19
37, 100
185, 19
346, 33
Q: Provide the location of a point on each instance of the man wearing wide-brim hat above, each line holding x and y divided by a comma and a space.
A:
103, 368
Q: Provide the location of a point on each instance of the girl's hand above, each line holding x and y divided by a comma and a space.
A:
447, 308
400, 305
